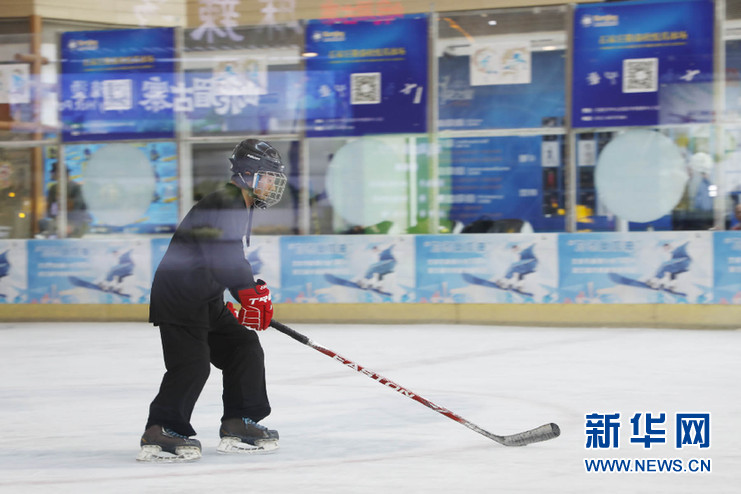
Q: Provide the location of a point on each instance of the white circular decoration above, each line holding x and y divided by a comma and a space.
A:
640, 175
119, 185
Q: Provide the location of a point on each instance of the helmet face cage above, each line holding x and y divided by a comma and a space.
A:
267, 188
257, 168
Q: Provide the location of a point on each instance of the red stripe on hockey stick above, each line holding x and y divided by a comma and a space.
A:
542, 433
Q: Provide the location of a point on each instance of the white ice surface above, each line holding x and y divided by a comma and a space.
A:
74, 399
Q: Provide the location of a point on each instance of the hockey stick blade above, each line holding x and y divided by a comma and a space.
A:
539, 434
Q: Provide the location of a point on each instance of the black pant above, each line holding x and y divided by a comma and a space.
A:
188, 353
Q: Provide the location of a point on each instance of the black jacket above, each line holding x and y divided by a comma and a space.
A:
205, 257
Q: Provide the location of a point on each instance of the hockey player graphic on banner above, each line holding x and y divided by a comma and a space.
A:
525, 264
485, 268
637, 267
384, 265
665, 278
678, 263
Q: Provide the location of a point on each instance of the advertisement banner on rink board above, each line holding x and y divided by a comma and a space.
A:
89, 271
643, 63
347, 269
485, 268
727, 263
116, 84
263, 254
368, 76
640, 267
13, 272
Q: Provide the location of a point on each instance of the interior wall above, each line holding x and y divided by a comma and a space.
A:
190, 13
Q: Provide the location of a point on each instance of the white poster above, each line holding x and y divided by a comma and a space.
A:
500, 63
15, 84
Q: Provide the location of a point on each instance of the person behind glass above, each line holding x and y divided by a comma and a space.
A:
205, 257
78, 218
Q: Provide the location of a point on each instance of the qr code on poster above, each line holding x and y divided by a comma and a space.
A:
641, 75
117, 94
365, 88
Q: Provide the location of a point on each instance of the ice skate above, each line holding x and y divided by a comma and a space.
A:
246, 436
163, 445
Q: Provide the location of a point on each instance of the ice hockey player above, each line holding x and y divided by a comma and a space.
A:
205, 257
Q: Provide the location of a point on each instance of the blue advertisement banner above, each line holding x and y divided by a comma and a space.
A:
368, 77
263, 254
581, 268
13, 272
347, 269
89, 271
539, 103
665, 267
727, 274
212, 107
643, 63
732, 103
481, 268
116, 84
499, 178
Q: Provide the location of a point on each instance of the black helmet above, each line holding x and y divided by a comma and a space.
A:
257, 168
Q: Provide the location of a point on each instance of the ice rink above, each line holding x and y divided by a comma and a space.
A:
74, 400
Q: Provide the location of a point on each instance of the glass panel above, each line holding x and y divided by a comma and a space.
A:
248, 83
367, 185
15, 193
507, 184
651, 180
501, 68
112, 188
211, 170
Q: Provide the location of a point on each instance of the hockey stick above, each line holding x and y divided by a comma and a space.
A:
542, 433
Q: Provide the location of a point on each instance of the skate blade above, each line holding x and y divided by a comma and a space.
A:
229, 445
154, 454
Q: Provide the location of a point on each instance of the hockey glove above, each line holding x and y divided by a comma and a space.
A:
257, 308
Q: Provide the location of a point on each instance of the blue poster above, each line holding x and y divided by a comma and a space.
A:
641, 267
347, 269
116, 84
643, 63
727, 267
486, 268
500, 178
13, 272
213, 107
130, 188
89, 271
539, 103
368, 77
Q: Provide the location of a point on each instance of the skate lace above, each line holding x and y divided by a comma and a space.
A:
252, 422
173, 433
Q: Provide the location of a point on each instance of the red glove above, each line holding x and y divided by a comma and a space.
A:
257, 308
